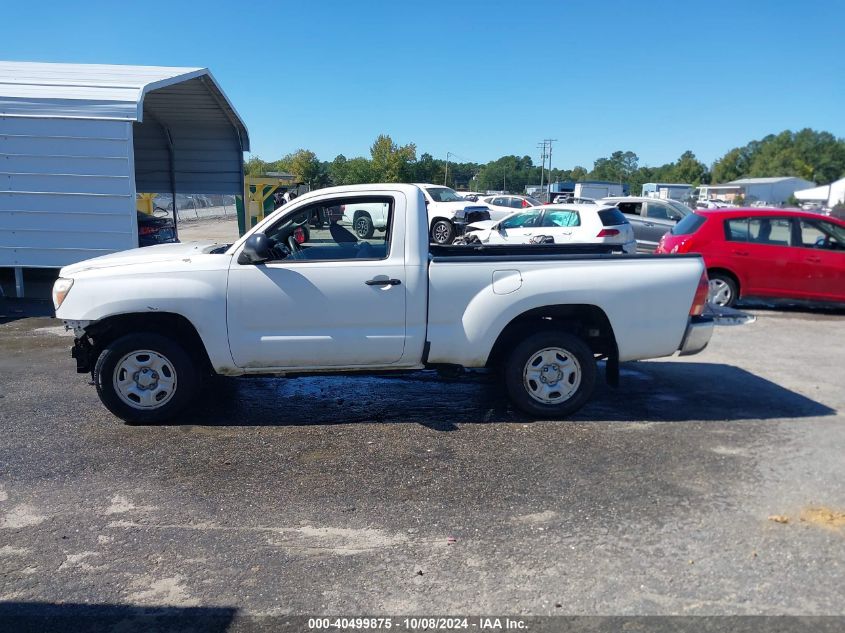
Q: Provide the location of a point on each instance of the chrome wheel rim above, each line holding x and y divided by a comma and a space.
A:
361, 227
719, 292
441, 232
145, 379
552, 375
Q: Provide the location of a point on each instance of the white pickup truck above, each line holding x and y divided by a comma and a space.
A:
449, 212
151, 323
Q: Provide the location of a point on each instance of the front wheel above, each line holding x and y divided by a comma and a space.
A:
550, 374
442, 232
145, 378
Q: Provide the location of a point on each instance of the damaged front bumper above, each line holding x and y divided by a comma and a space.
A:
82, 350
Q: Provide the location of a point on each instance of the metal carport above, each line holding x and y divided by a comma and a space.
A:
77, 141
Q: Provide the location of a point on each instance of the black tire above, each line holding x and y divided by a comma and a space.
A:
442, 232
363, 226
729, 292
179, 362
518, 386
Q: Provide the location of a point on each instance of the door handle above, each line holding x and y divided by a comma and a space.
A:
743, 253
649, 223
382, 282
814, 260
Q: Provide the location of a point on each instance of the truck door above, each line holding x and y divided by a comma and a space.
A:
334, 300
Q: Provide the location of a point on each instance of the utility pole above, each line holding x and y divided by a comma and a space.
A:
542, 163
446, 175
549, 141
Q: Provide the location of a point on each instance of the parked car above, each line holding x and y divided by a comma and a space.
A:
650, 217
154, 229
449, 213
366, 218
565, 224
151, 323
503, 206
767, 253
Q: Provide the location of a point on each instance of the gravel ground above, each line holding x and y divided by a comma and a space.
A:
704, 485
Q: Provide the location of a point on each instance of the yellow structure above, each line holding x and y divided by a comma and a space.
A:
256, 191
144, 202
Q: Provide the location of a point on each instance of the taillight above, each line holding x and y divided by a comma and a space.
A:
299, 235
525, 204
146, 230
699, 301
608, 233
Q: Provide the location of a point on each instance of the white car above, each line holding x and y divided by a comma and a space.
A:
443, 205
565, 224
151, 323
503, 206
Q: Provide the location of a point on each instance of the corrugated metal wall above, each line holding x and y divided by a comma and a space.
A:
206, 147
66, 190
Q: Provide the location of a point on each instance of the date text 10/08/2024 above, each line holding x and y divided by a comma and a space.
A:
420, 623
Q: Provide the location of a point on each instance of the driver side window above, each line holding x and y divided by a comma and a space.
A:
341, 228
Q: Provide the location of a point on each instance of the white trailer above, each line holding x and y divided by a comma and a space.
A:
597, 191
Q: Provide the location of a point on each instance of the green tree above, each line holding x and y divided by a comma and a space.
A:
619, 167
816, 156
390, 162
255, 166
304, 165
688, 169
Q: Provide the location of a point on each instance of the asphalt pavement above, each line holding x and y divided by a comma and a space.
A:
704, 485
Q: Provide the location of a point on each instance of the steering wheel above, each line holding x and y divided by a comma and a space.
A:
293, 245
279, 250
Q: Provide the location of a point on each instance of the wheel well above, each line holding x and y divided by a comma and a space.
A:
359, 213
586, 321
726, 273
165, 323
437, 219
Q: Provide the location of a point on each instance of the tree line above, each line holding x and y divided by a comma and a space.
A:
808, 154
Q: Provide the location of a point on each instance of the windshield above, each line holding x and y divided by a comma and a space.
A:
533, 201
443, 194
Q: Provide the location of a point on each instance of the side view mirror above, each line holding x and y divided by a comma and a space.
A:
256, 250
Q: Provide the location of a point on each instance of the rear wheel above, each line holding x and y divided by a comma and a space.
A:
363, 226
722, 291
442, 232
550, 374
145, 378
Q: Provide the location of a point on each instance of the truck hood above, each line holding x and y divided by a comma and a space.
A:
146, 255
462, 204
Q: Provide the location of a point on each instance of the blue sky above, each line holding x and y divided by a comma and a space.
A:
479, 79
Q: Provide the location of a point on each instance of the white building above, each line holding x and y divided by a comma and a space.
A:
667, 190
772, 191
78, 141
827, 195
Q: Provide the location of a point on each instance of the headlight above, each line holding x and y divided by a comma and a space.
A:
60, 290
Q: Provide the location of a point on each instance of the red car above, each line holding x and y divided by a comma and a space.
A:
769, 253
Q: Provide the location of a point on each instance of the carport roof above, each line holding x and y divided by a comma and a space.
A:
101, 91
